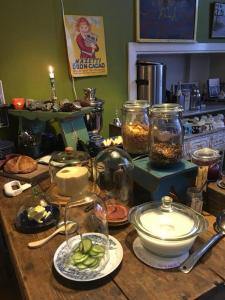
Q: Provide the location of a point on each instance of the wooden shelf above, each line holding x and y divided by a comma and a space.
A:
48, 115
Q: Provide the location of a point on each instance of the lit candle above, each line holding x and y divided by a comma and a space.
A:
51, 72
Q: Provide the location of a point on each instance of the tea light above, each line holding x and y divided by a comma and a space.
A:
18, 103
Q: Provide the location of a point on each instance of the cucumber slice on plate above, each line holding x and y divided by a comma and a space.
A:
90, 261
85, 245
94, 265
79, 257
98, 249
81, 266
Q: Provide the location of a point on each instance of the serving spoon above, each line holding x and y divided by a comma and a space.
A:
70, 226
191, 261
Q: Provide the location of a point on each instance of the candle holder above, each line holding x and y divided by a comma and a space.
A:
53, 90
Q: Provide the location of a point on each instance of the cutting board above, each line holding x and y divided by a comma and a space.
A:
41, 173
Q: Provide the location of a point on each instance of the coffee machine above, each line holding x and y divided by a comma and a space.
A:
151, 81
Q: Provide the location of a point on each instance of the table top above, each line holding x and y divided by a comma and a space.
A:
132, 280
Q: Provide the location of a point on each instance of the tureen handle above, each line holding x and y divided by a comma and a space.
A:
167, 203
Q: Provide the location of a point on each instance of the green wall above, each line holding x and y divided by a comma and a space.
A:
32, 37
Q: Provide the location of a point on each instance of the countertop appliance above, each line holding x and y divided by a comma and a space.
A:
151, 81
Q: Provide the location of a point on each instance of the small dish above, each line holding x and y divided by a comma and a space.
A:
220, 184
72, 273
25, 225
155, 261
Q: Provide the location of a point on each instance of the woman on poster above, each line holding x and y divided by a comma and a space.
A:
86, 40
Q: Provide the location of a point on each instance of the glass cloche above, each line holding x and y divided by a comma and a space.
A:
113, 175
70, 173
86, 251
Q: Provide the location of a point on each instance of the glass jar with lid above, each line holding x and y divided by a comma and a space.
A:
208, 161
165, 134
70, 173
135, 127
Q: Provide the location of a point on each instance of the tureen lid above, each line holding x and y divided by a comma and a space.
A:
167, 220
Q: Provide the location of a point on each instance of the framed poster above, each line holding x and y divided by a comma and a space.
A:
166, 20
85, 45
218, 26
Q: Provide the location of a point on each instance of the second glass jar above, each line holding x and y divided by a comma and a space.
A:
165, 134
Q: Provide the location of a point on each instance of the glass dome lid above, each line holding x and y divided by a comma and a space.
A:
169, 221
69, 157
113, 158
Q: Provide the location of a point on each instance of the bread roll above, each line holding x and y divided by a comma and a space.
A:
20, 164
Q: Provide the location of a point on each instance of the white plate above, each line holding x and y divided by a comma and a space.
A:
73, 273
156, 261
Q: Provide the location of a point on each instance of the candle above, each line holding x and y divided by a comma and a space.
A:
51, 72
18, 103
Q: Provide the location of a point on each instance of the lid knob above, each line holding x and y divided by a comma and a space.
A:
69, 150
167, 203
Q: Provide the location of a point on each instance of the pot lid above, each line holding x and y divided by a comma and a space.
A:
167, 220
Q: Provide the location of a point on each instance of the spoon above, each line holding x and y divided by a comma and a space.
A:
70, 226
191, 261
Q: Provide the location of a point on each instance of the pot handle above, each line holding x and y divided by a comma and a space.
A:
191, 261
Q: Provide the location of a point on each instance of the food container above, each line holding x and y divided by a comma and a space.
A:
135, 127
70, 172
167, 229
208, 161
165, 134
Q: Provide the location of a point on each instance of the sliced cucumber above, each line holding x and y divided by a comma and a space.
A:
85, 245
99, 255
92, 253
81, 266
98, 249
95, 265
79, 257
89, 261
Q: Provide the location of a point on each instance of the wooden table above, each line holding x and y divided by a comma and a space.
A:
132, 280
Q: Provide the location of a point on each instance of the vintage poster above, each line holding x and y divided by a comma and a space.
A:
85, 45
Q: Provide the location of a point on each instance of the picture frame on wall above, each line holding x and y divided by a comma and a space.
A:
166, 21
213, 87
218, 24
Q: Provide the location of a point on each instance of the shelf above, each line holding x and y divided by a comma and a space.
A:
210, 108
48, 115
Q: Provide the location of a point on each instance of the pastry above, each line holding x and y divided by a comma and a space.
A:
20, 164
